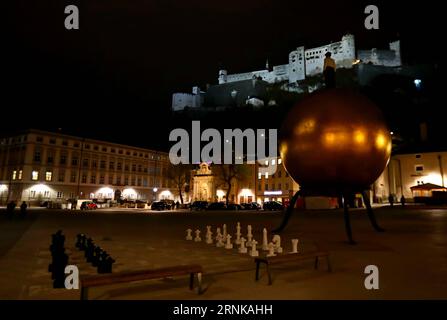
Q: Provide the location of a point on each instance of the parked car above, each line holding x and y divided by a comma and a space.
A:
88, 205
217, 206
170, 204
159, 205
273, 205
234, 206
199, 205
251, 206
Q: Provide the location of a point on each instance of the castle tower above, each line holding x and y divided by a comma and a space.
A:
222, 76
348, 45
395, 46
296, 65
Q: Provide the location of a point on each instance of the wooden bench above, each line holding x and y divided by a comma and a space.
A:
291, 257
130, 276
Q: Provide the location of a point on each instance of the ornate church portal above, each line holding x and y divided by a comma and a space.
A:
203, 184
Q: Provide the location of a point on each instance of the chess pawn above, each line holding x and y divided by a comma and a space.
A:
277, 241
209, 238
188, 234
228, 245
243, 248
238, 233
254, 252
271, 252
218, 234
208, 229
197, 238
265, 244
224, 231
219, 242
249, 240
295, 245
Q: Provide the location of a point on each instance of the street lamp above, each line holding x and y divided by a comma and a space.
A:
155, 191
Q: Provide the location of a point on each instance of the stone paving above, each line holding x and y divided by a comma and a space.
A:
411, 255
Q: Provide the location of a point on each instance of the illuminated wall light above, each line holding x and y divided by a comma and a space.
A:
220, 193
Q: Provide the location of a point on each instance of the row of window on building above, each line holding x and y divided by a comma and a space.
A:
94, 147
132, 180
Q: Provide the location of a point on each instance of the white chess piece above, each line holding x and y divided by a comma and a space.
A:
254, 252
295, 245
271, 250
238, 234
218, 234
224, 231
277, 241
265, 244
209, 238
228, 245
197, 238
188, 234
219, 242
243, 248
249, 236
208, 229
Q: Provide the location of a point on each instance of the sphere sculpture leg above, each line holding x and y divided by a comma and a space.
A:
287, 214
370, 212
346, 199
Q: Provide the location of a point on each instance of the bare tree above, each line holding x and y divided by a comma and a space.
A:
179, 176
226, 174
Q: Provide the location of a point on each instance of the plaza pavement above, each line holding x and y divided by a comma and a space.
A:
411, 255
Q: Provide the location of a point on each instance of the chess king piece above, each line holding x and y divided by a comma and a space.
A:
243, 248
224, 231
271, 247
238, 233
228, 245
265, 244
277, 241
295, 245
197, 238
254, 252
249, 236
188, 234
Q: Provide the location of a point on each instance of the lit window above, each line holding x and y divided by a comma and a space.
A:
273, 162
279, 161
14, 175
266, 175
266, 162
259, 175
48, 175
20, 175
35, 175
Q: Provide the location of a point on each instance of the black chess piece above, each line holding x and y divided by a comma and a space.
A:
79, 240
106, 265
96, 256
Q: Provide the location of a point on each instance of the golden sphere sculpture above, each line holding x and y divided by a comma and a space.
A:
335, 139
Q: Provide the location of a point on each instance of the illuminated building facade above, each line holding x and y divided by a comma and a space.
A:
275, 187
38, 166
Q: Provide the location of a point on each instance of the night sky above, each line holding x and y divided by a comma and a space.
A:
113, 78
